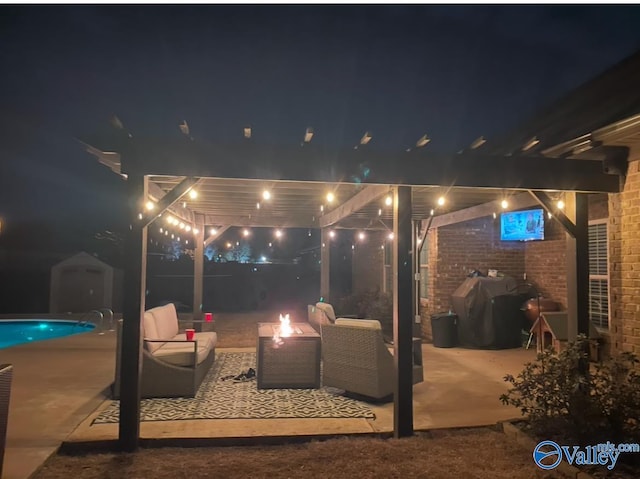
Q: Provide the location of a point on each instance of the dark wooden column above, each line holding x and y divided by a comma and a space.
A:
325, 264
582, 261
133, 308
415, 291
403, 280
198, 270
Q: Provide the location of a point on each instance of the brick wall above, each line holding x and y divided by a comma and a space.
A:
457, 250
545, 263
368, 263
624, 262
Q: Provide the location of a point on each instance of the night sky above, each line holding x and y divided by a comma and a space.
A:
454, 73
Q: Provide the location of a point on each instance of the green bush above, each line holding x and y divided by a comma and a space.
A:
369, 304
561, 402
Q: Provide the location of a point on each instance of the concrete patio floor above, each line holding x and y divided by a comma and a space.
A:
61, 385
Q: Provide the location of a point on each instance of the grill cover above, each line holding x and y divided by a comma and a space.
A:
489, 315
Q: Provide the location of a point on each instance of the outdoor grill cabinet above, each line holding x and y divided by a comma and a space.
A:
489, 314
171, 365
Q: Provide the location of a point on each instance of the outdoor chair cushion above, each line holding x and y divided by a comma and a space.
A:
150, 331
181, 354
166, 321
327, 309
360, 323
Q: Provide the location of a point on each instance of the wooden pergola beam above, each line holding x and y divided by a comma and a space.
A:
547, 203
173, 196
185, 214
353, 204
522, 200
219, 232
261, 222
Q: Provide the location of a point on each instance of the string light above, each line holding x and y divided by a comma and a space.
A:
182, 226
196, 231
332, 234
441, 201
245, 232
504, 204
362, 235
213, 231
193, 194
379, 211
150, 205
278, 234
560, 204
330, 197
258, 205
187, 228
169, 219
266, 194
390, 236
388, 200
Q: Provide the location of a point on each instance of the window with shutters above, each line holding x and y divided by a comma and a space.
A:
598, 274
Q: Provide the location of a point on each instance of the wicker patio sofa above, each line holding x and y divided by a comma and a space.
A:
356, 359
171, 365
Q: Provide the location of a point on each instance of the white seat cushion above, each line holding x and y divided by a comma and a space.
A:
150, 331
207, 339
166, 320
360, 323
181, 354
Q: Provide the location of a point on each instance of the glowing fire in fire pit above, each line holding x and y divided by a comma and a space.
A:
285, 326
284, 330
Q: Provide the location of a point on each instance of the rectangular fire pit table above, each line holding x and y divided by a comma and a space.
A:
291, 363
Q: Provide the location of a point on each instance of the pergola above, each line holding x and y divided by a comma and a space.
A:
230, 180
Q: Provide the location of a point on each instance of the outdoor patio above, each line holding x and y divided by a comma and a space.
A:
71, 375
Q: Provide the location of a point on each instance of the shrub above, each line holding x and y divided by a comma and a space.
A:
369, 304
562, 402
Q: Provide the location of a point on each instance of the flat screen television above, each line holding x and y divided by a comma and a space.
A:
524, 225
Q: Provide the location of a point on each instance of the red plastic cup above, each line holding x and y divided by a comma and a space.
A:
191, 334
208, 317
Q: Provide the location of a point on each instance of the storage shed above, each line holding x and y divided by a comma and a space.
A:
82, 283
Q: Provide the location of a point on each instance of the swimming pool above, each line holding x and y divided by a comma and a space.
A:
13, 332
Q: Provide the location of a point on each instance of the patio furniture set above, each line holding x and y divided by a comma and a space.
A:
344, 353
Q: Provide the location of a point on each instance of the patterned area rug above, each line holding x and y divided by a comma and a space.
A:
225, 399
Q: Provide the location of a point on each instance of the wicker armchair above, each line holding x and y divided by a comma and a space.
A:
356, 359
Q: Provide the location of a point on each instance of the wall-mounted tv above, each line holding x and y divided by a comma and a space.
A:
524, 225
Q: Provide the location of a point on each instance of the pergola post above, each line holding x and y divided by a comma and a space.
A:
402, 312
133, 308
415, 290
325, 263
198, 269
582, 261
577, 210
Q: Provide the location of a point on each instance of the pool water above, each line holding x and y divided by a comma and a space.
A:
32, 330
